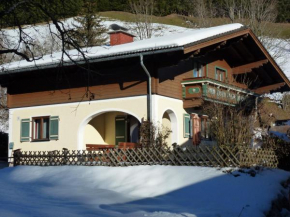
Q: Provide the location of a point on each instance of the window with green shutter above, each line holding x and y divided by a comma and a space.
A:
43, 128
53, 131
186, 125
24, 130
40, 128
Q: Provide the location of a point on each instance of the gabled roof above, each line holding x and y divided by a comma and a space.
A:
101, 53
190, 41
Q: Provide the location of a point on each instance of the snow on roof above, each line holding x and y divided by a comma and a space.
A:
99, 52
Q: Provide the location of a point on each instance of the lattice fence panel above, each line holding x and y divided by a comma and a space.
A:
259, 157
211, 156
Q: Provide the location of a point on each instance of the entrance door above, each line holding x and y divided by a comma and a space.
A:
196, 136
120, 130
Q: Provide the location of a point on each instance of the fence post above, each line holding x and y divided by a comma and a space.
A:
65, 152
16, 157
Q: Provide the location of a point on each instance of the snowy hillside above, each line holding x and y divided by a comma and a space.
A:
136, 191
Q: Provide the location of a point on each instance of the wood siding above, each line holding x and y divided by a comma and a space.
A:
77, 94
170, 78
166, 81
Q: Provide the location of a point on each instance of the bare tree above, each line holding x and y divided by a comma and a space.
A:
286, 101
143, 18
4, 114
230, 125
203, 10
153, 135
21, 43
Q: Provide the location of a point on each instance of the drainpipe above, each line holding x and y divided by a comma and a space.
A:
149, 99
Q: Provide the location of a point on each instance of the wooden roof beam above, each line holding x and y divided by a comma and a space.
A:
248, 67
236, 53
243, 49
221, 46
270, 58
267, 89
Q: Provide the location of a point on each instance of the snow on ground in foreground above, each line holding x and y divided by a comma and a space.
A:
135, 191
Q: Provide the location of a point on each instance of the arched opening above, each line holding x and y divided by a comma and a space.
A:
169, 121
110, 128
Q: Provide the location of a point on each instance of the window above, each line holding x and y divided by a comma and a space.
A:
197, 70
186, 126
220, 74
40, 128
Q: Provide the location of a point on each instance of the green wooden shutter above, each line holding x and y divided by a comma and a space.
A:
186, 125
25, 130
53, 128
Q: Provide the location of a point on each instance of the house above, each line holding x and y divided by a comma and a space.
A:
165, 80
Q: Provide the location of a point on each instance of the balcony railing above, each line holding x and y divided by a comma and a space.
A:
214, 90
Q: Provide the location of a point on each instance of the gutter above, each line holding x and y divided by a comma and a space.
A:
149, 100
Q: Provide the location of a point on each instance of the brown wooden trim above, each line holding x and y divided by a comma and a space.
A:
191, 103
215, 41
267, 89
8, 100
248, 67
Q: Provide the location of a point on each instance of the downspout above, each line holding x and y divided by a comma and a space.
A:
149, 100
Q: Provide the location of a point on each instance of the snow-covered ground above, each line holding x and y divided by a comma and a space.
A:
136, 191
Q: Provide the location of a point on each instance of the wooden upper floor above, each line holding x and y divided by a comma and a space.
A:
223, 68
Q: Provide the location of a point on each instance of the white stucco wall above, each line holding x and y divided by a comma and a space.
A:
74, 119
175, 109
166, 125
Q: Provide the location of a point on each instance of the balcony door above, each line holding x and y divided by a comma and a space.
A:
121, 129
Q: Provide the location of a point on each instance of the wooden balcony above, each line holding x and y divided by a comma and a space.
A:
197, 90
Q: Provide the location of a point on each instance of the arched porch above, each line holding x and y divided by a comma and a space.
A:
110, 128
169, 121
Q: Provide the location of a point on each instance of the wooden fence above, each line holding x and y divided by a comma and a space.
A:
225, 156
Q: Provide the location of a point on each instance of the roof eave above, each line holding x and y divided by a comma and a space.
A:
95, 60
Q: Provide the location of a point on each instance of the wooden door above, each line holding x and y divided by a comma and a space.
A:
196, 134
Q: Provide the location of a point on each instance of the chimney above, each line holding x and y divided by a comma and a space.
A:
119, 35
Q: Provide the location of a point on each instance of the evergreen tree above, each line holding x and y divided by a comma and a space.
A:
89, 30
283, 11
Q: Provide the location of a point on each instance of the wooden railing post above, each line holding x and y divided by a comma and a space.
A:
17, 157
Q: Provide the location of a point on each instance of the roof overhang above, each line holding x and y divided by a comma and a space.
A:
195, 47
94, 60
